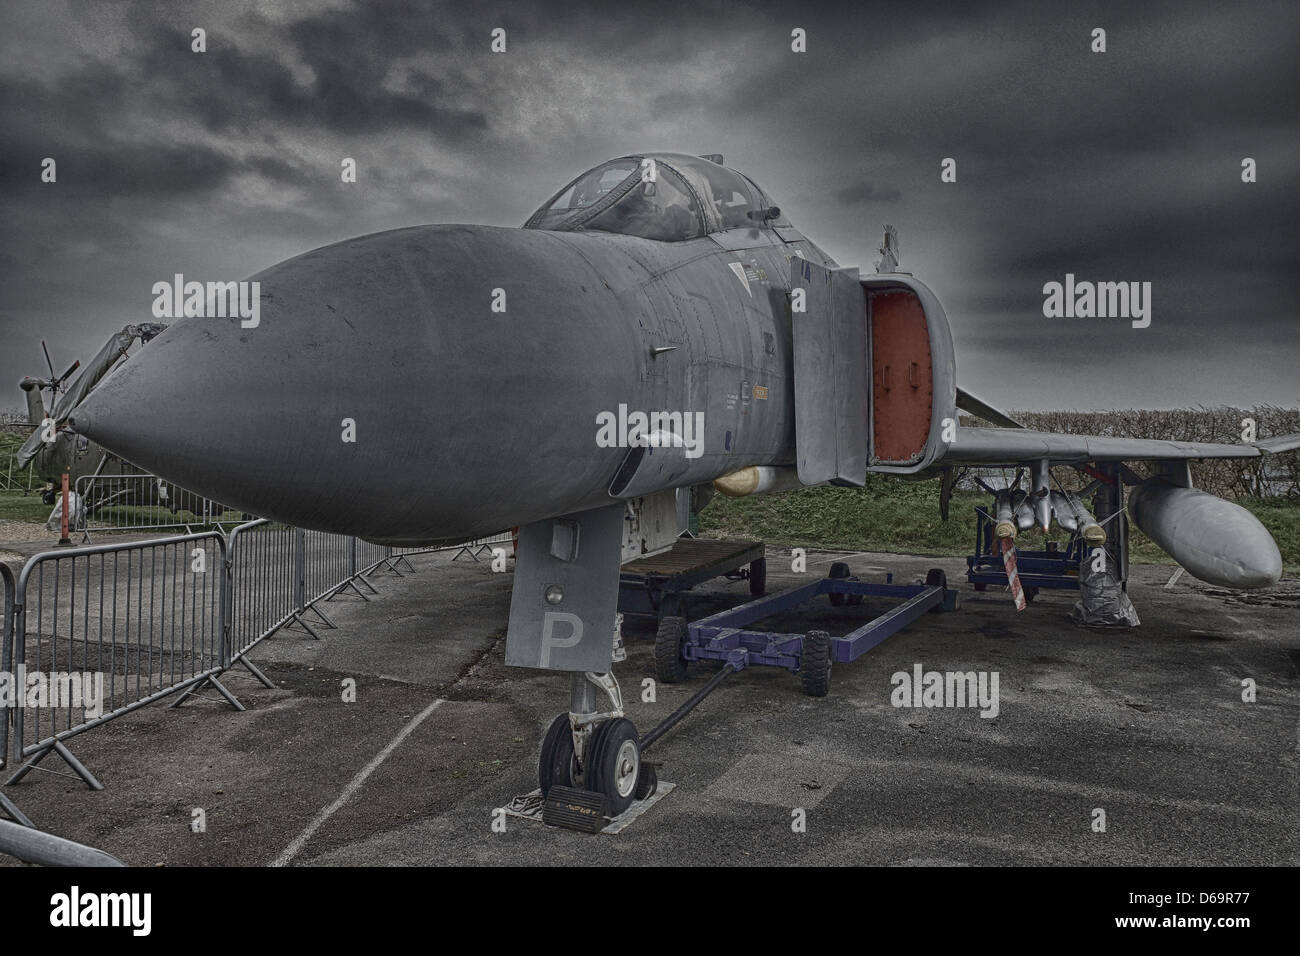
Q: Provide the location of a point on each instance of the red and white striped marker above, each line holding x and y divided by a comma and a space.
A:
1013, 576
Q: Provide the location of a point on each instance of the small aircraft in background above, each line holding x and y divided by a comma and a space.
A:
52, 450
658, 324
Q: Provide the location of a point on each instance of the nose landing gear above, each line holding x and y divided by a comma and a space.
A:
595, 751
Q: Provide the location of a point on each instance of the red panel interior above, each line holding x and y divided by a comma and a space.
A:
902, 378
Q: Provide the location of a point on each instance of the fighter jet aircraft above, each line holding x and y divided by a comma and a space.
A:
658, 324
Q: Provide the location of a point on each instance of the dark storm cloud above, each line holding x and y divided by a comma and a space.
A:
108, 169
229, 88
1115, 166
371, 33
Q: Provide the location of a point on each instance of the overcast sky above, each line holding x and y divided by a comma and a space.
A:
1115, 166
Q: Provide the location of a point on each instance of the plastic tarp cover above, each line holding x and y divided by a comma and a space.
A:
1102, 602
76, 513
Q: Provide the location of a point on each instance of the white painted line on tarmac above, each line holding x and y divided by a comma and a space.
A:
294, 848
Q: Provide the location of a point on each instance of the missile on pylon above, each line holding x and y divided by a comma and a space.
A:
1041, 495
1006, 526
1024, 513
1215, 540
1064, 513
1087, 525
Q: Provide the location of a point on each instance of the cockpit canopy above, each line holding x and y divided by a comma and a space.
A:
670, 197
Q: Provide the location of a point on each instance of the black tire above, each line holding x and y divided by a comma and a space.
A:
555, 765
815, 665
980, 587
1031, 593
614, 765
838, 570
670, 643
647, 783
936, 576
593, 747
758, 577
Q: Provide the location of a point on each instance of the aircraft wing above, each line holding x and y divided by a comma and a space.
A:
1012, 443
1001, 446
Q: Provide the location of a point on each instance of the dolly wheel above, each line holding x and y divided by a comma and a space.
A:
936, 577
838, 570
758, 577
557, 765
815, 665
614, 765
670, 646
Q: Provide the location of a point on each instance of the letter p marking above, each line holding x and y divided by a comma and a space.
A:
549, 640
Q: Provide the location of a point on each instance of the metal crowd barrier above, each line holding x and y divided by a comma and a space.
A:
274, 576
16, 479
7, 807
135, 621
261, 582
473, 548
6, 658
166, 616
24, 842
145, 503
327, 563
279, 573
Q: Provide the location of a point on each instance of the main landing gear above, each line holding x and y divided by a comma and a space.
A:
596, 751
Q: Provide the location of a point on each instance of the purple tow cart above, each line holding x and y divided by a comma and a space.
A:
723, 636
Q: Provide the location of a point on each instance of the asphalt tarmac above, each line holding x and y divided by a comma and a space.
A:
1148, 726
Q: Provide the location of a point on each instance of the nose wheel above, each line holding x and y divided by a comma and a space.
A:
597, 752
615, 764
558, 764
611, 762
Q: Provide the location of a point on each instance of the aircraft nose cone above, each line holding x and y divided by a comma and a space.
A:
301, 416
379, 393
189, 407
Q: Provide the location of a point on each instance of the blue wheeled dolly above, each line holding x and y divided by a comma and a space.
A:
723, 636
1052, 568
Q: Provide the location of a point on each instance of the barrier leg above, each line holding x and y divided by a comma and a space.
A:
349, 583
14, 814
321, 614
298, 619
57, 747
385, 564
256, 672
198, 685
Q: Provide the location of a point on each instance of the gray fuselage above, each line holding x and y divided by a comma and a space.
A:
467, 419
